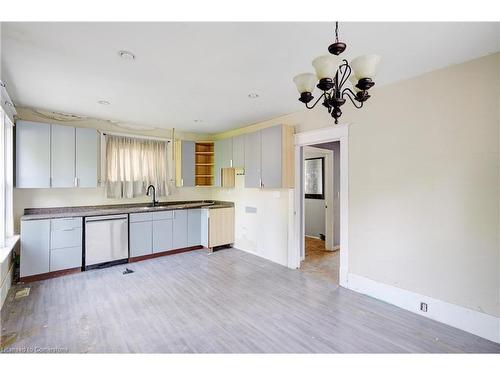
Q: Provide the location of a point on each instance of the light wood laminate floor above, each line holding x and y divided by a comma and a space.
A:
225, 302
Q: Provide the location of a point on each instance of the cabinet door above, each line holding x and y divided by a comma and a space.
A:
32, 155
86, 157
271, 156
221, 226
252, 160
141, 238
62, 156
187, 163
162, 235
180, 236
238, 151
223, 150
194, 227
35, 240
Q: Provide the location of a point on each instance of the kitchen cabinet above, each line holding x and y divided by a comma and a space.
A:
50, 245
162, 235
86, 157
62, 156
55, 156
35, 247
252, 160
185, 161
141, 234
65, 243
32, 154
223, 158
194, 227
220, 226
269, 158
180, 229
238, 151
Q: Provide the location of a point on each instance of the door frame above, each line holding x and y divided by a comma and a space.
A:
329, 134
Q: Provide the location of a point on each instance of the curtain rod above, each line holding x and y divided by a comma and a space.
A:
137, 136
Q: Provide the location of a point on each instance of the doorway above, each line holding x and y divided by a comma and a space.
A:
297, 251
321, 174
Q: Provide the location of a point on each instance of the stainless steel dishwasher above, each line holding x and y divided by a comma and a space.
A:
106, 240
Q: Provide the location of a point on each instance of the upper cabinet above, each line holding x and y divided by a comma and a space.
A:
32, 155
62, 156
223, 158
55, 156
269, 158
252, 160
86, 157
185, 163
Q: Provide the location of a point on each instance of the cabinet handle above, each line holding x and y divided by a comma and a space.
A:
182, 182
76, 182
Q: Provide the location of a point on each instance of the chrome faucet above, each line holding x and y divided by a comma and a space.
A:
154, 194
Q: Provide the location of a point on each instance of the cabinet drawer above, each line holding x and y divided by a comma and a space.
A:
65, 223
65, 258
65, 238
163, 215
143, 216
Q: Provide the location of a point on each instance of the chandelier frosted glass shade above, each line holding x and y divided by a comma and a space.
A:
337, 80
305, 82
326, 66
365, 66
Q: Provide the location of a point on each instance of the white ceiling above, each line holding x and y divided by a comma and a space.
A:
205, 71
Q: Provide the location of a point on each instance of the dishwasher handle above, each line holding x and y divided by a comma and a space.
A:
105, 218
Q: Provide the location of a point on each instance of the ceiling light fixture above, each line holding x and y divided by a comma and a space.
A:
103, 102
253, 95
127, 55
332, 73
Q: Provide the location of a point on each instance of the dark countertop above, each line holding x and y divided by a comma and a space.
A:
61, 212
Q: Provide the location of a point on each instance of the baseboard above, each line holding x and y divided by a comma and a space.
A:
472, 321
6, 284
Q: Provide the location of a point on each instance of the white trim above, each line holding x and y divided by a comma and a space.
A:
328, 134
472, 321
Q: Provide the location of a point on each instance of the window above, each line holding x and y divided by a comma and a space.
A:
6, 178
132, 164
314, 178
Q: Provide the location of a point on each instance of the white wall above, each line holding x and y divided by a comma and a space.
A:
265, 232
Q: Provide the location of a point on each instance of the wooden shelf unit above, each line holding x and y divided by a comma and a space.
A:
204, 163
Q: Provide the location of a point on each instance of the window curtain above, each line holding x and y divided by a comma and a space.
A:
132, 164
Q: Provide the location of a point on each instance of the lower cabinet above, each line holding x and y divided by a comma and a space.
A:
162, 235
50, 245
141, 238
180, 229
220, 226
194, 227
35, 247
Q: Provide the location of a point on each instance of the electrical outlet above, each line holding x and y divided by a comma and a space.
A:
423, 306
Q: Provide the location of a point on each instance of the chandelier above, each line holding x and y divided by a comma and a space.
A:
333, 73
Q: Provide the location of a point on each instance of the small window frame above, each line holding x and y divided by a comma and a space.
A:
322, 195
